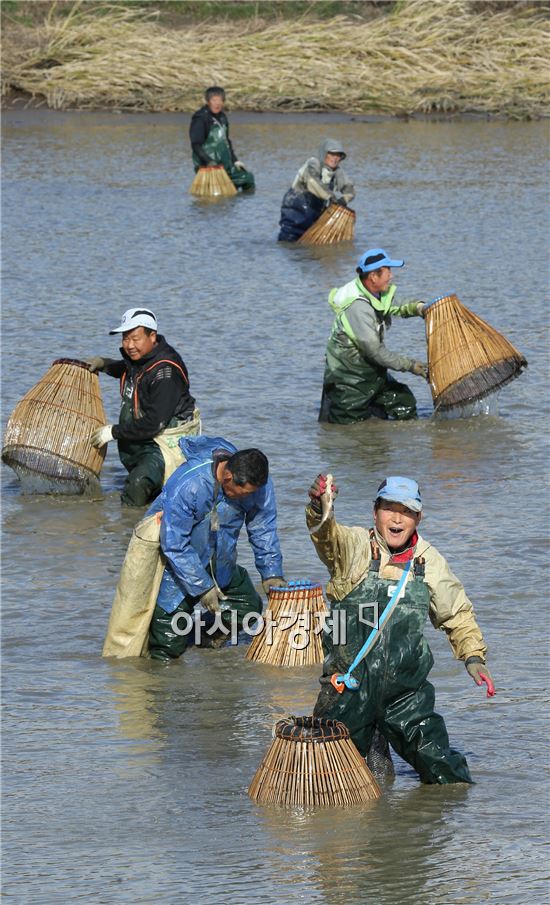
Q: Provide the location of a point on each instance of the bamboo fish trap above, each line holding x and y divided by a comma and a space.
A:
335, 224
467, 358
48, 433
293, 624
212, 182
312, 762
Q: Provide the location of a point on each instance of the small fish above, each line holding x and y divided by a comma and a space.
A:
327, 500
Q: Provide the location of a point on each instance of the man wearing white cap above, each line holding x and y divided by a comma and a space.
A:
384, 584
356, 383
156, 406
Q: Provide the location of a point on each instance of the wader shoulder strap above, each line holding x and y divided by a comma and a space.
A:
161, 361
347, 680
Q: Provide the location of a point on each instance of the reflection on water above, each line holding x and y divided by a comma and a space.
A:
126, 782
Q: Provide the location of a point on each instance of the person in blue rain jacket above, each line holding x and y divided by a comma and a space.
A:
204, 506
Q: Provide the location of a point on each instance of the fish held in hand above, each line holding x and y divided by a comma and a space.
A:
327, 501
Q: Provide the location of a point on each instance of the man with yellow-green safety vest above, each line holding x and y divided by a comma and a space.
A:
356, 383
210, 142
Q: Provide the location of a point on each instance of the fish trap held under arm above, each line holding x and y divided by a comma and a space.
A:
467, 358
47, 439
293, 624
212, 182
335, 224
313, 762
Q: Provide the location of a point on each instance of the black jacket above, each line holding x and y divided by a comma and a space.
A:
154, 391
201, 123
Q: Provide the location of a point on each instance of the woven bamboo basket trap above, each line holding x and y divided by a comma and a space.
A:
212, 182
48, 433
467, 358
310, 763
335, 224
293, 623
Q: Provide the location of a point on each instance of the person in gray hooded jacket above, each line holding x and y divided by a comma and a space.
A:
320, 181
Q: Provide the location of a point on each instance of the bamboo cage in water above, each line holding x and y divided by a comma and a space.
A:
293, 623
212, 182
313, 762
467, 358
335, 224
48, 433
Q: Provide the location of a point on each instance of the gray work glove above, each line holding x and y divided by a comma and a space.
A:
480, 674
240, 165
420, 309
275, 582
420, 368
102, 435
97, 363
211, 600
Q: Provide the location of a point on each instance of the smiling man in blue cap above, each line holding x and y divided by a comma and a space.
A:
384, 584
356, 383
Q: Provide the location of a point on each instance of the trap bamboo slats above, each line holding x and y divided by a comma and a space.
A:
310, 763
467, 358
212, 182
334, 225
293, 624
48, 433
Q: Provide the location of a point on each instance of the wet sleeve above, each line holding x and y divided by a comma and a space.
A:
181, 514
362, 321
312, 180
158, 401
344, 551
261, 526
116, 369
451, 610
198, 133
407, 309
345, 185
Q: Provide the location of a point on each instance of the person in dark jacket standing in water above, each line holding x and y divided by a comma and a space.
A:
156, 408
209, 134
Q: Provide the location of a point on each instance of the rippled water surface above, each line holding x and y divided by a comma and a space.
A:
125, 782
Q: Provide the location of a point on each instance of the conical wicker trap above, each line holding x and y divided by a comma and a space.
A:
293, 624
313, 762
335, 224
467, 358
48, 433
212, 182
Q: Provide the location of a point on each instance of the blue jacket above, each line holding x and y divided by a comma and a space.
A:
186, 538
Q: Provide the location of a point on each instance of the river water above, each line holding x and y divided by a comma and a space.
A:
125, 782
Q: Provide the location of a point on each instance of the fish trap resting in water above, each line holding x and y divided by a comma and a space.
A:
313, 762
335, 224
467, 358
47, 440
293, 624
212, 182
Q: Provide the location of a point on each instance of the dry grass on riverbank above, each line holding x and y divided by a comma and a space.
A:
422, 57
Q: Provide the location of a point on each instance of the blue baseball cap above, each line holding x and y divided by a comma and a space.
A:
375, 258
401, 490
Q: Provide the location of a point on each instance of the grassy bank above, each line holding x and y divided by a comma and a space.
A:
415, 56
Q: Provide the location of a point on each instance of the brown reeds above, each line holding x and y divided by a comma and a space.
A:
292, 630
48, 432
212, 182
334, 225
467, 358
419, 58
313, 763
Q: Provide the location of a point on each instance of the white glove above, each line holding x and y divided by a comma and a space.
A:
420, 309
102, 435
240, 165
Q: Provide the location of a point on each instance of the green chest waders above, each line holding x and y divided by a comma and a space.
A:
142, 459
393, 693
217, 148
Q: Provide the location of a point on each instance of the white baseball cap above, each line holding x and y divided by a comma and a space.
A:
136, 317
